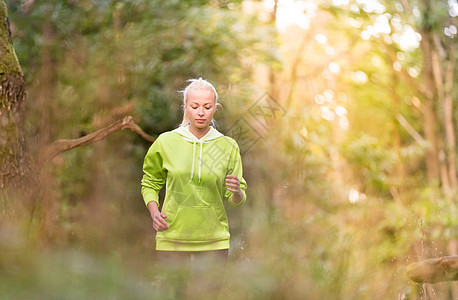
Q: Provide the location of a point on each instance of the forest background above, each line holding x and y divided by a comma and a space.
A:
344, 110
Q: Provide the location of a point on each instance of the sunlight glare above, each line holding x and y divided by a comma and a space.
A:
328, 94
407, 40
290, 12
269, 5
450, 31
354, 196
372, 6
344, 124
354, 8
341, 111
396, 21
340, 2
327, 114
334, 67
354, 23
376, 61
365, 35
400, 55
304, 132
399, 7
359, 77
319, 99
453, 11
321, 38
382, 24
413, 72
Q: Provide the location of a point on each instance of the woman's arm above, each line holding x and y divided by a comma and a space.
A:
236, 184
159, 222
233, 185
153, 180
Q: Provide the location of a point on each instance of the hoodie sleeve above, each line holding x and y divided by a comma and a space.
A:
154, 174
235, 168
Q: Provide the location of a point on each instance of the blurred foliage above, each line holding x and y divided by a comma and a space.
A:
338, 202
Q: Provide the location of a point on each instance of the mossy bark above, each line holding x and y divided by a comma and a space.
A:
12, 99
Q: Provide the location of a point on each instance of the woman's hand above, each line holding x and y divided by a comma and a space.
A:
159, 223
233, 185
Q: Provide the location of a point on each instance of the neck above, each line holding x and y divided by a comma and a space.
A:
199, 132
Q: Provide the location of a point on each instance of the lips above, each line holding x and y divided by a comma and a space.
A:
200, 120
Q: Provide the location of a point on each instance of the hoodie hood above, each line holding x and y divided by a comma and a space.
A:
190, 137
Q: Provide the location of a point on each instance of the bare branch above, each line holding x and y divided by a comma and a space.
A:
434, 270
409, 128
60, 146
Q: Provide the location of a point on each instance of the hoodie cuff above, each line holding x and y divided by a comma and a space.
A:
237, 204
150, 196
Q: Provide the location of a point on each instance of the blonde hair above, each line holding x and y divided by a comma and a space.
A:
197, 84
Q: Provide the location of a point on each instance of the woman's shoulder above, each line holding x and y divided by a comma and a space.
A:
230, 141
165, 137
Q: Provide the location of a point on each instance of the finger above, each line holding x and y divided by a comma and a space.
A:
159, 227
156, 227
233, 183
163, 223
232, 179
160, 221
232, 187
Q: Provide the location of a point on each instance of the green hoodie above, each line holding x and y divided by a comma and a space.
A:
194, 171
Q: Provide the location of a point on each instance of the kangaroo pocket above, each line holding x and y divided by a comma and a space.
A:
196, 223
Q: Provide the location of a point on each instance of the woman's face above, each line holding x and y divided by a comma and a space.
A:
200, 107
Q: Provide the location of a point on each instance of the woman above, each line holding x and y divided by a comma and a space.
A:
201, 167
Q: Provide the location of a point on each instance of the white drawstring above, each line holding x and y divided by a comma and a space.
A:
188, 136
200, 159
193, 154
194, 158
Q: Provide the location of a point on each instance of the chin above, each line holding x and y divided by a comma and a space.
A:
201, 126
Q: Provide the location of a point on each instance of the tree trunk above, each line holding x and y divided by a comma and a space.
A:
13, 162
448, 121
45, 89
396, 190
430, 118
273, 85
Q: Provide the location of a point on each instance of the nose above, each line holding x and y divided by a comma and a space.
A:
200, 112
